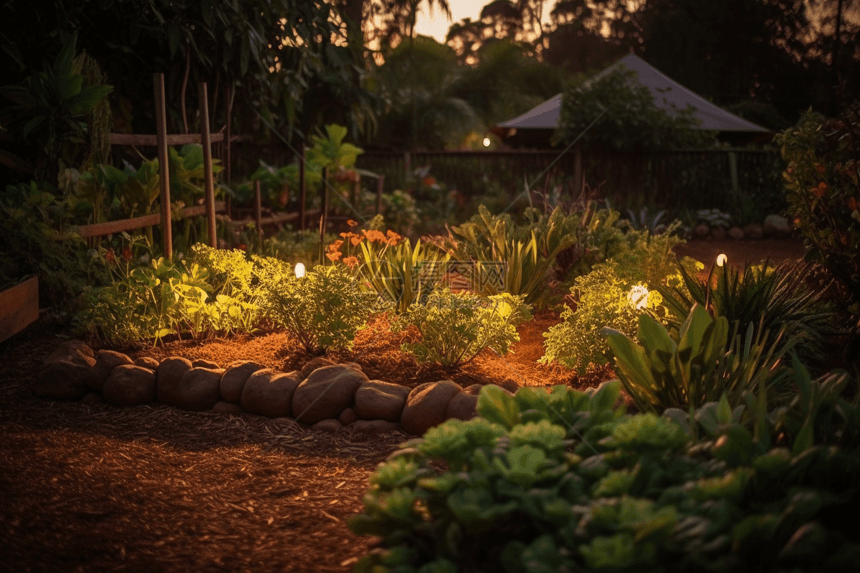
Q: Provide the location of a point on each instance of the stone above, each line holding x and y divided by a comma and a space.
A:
67, 373
347, 417
473, 390
378, 400
106, 361
354, 365
234, 378
718, 233
227, 408
198, 390
753, 231
702, 230
129, 385
92, 399
203, 363
373, 427
508, 384
462, 406
330, 425
326, 393
147, 362
426, 406
168, 375
736, 233
313, 364
270, 393
776, 226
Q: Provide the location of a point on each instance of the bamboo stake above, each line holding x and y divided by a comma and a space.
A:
163, 166
258, 212
302, 187
207, 164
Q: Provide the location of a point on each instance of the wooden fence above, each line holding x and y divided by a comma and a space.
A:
695, 179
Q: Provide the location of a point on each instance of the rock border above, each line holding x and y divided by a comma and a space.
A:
322, 395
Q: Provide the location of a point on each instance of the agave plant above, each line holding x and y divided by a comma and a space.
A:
775, 296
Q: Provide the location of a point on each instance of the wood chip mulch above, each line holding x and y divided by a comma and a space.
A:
99, 488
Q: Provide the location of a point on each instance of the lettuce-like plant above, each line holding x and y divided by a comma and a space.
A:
455, 327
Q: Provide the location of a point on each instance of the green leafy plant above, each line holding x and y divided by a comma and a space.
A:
323, 309
704, 362
776, 296
602, 299
560, 481
823, 184
456, 327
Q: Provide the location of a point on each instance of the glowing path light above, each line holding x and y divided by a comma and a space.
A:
722, 259
300, 270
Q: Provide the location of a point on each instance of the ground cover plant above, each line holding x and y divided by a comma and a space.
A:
561, 481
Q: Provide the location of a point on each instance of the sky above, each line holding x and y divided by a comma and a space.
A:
437, 25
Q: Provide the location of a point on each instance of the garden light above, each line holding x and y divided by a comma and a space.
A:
722, 259
638, 297
486, 142
300, 270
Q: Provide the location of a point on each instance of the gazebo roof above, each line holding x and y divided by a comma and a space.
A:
667, 92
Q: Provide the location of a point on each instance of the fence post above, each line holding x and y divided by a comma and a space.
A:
577, 172
380, 182
733, 173
258, 212
302, 186
163, 166
207, 164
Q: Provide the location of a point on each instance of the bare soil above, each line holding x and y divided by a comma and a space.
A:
96, 488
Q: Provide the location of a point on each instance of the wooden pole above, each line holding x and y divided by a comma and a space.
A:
258, 212
163, 166
207, 164
228, 158
302, 186
380, 183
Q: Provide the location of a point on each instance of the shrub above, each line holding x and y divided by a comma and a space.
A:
635, 493
323, 309
455, 327
774, 296
823, 184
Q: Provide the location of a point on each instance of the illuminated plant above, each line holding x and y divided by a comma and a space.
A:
456, 327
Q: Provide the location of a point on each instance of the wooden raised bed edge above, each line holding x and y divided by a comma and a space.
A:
19, 307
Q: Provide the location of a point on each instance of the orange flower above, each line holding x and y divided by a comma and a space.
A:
109, 256
819, 168
819, 191
333, 256
126, 253
429, 181
351, 262
352, 223
392, 236
242, 247
335, 246
852, 203
355, 240
374, 236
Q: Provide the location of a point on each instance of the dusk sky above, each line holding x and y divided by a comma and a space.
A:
437, 25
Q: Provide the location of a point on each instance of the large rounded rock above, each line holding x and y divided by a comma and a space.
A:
129, 385
508, 384
270, 393
373, 427
427, 406
167, 377
701, 230
462, 406
313, 364
147, 362
327, 426
326, 393
67, 373
753, 231
719, 233
347, 417
198, 390
227, 408
473, 390
736, 233
234, 378
106, 361
378, 400
204, 363
776, 226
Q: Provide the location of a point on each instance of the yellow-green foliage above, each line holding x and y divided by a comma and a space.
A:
323, 309
603, 299
455, 327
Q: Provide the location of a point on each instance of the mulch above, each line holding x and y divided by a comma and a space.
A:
99, 488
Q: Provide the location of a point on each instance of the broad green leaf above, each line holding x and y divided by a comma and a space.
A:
498, 406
